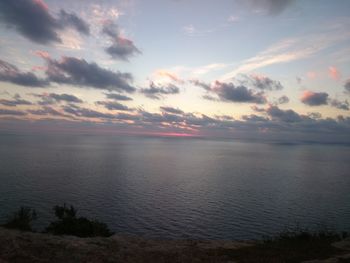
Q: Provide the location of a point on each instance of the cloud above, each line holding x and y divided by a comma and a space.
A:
113, 105
79, 72
311, 75
254, 118
189, 73
99, 13
10, 73
171, 110
32, 19
263, 82
232, 93
322, 98
65, 97
269, 7
116, 96
257, 109
167, 74
210, 97
314, 98
208, 68
277, 6
100, 116
12, 112
286, 125
189, 29
87, 113
201, 84
111, 29
47, 111
315, 115
292, 49
155, 92
53, 98
121, 48
347, 86
15, 102
342, 105
299, 80
233, 19
69, 70
283, 115
41, 54
334, 73
72, 20
283, 100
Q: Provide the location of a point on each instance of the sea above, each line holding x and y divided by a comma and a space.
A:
178, 188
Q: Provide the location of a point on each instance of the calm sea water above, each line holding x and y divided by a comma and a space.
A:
178, 188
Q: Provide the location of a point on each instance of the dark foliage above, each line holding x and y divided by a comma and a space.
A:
22, 219
69, 224
290, 246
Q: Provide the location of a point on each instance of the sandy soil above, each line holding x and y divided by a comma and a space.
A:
18, 246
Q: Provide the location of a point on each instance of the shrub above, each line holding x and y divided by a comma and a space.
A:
296, 245
69, 224
22, 219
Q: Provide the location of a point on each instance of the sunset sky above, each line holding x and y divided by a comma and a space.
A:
232, 68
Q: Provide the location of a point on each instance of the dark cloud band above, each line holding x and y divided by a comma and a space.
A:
10, 73
79, 72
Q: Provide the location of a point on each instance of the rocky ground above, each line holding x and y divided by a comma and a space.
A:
18, 246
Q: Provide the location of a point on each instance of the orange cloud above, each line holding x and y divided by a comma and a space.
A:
169, 75
306, 95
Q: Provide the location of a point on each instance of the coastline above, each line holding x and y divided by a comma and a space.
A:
16, 246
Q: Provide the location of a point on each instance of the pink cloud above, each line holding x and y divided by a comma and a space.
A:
334, 73
311, 75
42, 54
257, 76
41, 4
39, 68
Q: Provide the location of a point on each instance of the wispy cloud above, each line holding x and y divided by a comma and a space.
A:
292, 49
202, 70
233, 19
194, 31
189, 29
270, 7
182, 73
162, 74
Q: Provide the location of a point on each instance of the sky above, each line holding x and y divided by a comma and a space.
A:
250, 69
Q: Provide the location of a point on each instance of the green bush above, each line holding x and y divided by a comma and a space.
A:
69, 224
22, 219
